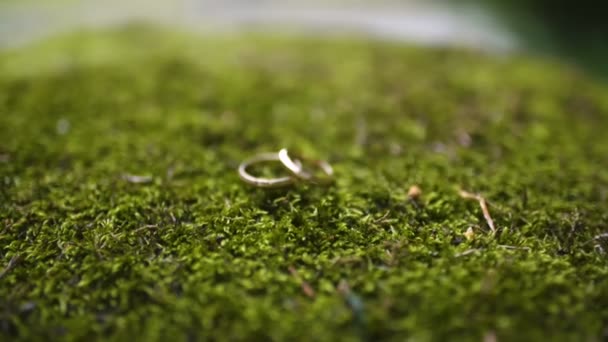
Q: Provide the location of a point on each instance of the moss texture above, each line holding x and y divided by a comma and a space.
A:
185, 251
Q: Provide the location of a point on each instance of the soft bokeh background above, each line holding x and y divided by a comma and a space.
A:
576, 32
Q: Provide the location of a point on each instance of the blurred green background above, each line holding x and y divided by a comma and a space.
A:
575, 32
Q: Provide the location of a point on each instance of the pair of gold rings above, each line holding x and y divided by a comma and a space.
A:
297, 165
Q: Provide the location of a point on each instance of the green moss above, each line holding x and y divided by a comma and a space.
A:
196, 254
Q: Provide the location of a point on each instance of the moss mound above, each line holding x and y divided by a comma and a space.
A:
122, 216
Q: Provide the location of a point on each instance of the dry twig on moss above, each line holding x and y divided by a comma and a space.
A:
11, 264
484, 207
306, 288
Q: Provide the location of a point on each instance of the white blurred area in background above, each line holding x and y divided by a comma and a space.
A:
423, 22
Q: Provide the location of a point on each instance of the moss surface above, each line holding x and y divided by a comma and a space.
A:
190, 252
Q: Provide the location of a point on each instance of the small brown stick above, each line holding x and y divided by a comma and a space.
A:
528, 249
306, 288
11, 264
484, 207
148, 226
136, 179
598, 237
380, 220
467, 252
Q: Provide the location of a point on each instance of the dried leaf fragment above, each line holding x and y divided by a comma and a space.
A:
414, 192
469, 234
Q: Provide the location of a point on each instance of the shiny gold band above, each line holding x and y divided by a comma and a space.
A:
259, 181
295, 166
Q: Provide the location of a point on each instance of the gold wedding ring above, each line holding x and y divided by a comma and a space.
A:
301, 172
259, 181
297, 165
